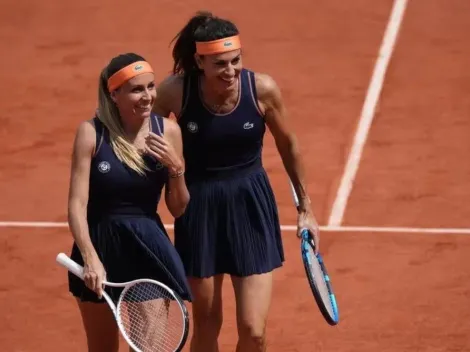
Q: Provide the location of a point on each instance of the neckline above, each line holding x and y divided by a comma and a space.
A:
206, 107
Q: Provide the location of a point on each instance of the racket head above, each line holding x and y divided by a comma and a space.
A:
319, 279
152, 317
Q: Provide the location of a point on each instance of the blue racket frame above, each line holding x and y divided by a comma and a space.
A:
307, 242
305, 245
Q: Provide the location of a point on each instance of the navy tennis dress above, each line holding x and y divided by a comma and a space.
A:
124, 226
231, 224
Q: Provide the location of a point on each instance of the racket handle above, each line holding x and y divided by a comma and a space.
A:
72, 266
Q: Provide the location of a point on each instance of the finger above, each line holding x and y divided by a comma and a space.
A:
155, 137
317, 242
94, 281
157, 144
154, 153
87, 281
312, 236
157, 147
153, 147
99, 286
90, 281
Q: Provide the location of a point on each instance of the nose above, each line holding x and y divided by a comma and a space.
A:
146, 95
230, 71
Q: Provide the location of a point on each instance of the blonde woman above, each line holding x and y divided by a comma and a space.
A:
117, 178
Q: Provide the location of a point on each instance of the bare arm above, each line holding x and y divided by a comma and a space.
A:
176, 192
271, 104
275, 116
83, 149
169, 96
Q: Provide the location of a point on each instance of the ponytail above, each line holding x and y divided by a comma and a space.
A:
203, 27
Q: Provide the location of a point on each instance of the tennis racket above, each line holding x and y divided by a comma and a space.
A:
150, 316
317, 274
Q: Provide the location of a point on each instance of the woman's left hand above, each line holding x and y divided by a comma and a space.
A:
163, 151
306, 220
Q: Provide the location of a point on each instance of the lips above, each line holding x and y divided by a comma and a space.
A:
229, 81
144, 107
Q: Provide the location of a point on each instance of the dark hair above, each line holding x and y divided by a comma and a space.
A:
202, 27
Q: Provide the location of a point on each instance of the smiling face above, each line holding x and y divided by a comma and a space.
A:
136, 97
221, 70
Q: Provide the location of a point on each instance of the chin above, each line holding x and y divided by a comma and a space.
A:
146, 114
142, 114
228, 86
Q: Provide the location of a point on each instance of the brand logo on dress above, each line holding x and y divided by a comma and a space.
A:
104, 167
192, 127
248, 125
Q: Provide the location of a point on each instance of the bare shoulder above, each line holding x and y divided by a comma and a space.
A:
169, 95
266, 86
86, 130
85, 136
268, 92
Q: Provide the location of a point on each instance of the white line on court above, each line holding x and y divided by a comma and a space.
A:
367, 113
420, 230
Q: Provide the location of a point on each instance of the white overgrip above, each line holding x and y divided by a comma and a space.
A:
72, 266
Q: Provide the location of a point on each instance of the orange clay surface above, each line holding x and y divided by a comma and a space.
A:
396, 291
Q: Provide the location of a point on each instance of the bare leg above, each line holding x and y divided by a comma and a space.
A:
152, 334
100, 327
253, 297
207, 313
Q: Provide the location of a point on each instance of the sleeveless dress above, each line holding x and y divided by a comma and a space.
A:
123, 223
231, 224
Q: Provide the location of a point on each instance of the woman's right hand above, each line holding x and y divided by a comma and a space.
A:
164, 151
94, 275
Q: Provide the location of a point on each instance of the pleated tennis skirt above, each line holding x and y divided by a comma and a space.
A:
130, 248
230, 226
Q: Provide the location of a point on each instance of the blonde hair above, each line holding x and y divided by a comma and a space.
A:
109, 115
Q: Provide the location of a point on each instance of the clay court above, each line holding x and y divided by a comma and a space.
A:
392, 199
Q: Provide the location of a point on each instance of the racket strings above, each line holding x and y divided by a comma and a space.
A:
151, 318
320, 281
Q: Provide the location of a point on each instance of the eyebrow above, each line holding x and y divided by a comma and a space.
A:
142, 85
224, 61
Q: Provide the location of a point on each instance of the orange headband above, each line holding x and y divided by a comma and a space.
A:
128, 72
218, 46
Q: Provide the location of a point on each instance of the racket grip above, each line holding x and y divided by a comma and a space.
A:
72, 266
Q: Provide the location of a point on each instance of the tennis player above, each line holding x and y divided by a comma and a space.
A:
231, 224
115, 187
